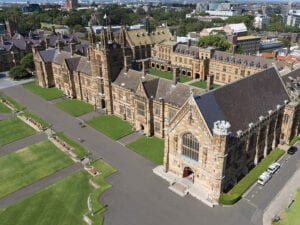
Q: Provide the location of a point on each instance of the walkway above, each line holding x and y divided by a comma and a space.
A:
130, 138
138, 197
44, 182
6, 82
14, 146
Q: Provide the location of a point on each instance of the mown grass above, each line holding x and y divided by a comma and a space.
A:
62, 203
294, 140
152, 148
17, 106
13, 129
4, 109
163, 74
244, 184
75, 107
111, 126
45, 93
27, 165
291, 216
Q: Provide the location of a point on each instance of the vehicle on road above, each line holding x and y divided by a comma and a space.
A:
264, 178
292, 150
273, 168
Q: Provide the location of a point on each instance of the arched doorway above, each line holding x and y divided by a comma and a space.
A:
197, 75
142, 128
103, 104
188, 173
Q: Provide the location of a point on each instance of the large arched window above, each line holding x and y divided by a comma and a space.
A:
190, 146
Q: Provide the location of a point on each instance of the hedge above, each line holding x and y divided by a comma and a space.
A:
244, 184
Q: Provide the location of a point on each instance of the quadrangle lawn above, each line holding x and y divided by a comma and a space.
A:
111, 126
13, 129
151, 148
46, 93
75, 107
62, 203
4, 109
27, 165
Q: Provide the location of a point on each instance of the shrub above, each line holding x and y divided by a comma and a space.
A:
18, 72
27, 62
229, 199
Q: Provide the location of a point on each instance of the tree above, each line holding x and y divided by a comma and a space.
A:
79, 28
18, 72
218, 41
27, 62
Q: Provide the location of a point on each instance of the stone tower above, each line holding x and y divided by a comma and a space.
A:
220, 141
107, 61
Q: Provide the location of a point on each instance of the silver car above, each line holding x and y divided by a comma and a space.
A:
273, 168
264, 178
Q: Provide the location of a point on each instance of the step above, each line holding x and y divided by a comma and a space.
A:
179, 189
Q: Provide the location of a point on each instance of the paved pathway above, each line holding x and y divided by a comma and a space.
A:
22, 143
5, 82
138, 197
44, 182
4, 116
130, 138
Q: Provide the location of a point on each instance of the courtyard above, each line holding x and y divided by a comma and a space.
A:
75, 107
45, 93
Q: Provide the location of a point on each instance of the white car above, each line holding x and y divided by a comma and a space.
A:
273, 168
264, 178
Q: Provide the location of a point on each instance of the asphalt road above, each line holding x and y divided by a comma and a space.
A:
138, 197
261, 196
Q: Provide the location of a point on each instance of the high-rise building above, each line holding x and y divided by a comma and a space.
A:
70, 4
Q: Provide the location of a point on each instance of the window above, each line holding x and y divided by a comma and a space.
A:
236, 71
242, 73
171, 114
286, 118
157, 111
140, 108
157, 127
122, 109
224, 68
190, 146
128, 113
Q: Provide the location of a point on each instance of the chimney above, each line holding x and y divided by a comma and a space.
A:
127, 63
175, 75
145, 67
189, 43
72, 48
210, 82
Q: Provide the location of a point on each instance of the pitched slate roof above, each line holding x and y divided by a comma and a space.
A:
244, 101
185, 49
246, 60
48, 55
155, 87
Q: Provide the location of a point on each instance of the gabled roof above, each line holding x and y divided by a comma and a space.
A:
244, 101
48, 55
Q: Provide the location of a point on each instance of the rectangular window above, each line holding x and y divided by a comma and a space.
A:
157, 111
172, 113
156, 126
122, 109
140, 109
128, 113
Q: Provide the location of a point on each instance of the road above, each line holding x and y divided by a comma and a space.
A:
138, 197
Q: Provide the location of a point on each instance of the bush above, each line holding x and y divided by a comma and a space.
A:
18, 72
229, 199
27, 62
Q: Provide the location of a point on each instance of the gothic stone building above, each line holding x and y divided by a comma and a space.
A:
216, 138
212, 139
199, 63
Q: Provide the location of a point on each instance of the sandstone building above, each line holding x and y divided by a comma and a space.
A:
213, 138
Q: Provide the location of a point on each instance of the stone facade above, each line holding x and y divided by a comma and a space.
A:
212, 138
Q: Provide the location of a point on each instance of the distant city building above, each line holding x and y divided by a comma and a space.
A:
293, 18
70, 4
238, 29
223, 9
247, 44
260, 21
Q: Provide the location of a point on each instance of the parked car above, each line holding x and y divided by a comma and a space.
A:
273, 168
264, 178
292, 150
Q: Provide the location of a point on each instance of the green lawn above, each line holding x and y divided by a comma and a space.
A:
75, 107
77, 149
244, 184
151, 148
17, 106
202, 84
183, 79
62, 203
36, 118
163, 74
291, 216
4, 109
111, 126
13, 129
46, 93
27, 165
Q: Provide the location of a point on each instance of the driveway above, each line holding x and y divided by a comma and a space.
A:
138, 197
